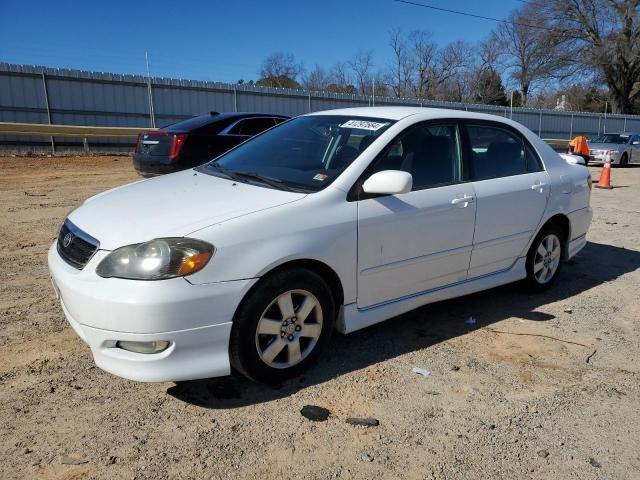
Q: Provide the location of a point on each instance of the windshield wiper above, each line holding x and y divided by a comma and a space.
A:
225, 171
273, 182
238, 176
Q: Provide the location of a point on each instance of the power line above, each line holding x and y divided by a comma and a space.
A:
473, 15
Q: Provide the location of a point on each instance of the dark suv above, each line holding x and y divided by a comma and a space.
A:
197, 140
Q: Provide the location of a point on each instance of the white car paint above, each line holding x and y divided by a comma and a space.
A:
391, 254
395, 181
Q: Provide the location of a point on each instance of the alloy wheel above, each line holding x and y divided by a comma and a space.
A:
289, 329
547, 259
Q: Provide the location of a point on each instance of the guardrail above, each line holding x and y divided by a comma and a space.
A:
7, 128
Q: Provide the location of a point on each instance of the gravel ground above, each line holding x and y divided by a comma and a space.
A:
541, 386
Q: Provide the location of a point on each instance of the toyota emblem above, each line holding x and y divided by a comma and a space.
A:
68, 239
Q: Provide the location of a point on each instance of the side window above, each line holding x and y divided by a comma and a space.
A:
430, 153
279, 120
534, 164
252, 126
497, 152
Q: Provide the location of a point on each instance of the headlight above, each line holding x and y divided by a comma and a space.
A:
158, 259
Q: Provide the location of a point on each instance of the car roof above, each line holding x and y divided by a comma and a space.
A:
215, 116
619, 133
221, 120
398, 113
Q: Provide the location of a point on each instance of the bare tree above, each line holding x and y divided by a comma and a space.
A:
424, 53
488, 54
604, 35
316, 79
280, 69
362, 64
436, 69
533, 53
340, 81
401, 69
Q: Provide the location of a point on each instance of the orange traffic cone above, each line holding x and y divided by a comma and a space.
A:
605, 175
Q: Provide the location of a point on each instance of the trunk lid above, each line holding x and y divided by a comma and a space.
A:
156, 143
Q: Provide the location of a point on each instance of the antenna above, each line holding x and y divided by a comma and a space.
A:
152, 115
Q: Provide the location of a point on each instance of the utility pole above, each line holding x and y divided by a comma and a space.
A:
373, 91
151, 113
604, 127
511, 106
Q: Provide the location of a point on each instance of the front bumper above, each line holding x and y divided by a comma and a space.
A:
195, 319
600, 157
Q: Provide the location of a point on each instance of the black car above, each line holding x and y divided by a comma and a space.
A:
197, 140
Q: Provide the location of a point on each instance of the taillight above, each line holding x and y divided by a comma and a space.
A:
176, 145
135, 149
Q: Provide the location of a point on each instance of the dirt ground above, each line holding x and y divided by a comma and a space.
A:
542, 386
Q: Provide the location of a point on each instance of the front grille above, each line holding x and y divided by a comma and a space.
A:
75, 246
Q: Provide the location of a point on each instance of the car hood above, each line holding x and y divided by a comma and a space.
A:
171, 206
607, 146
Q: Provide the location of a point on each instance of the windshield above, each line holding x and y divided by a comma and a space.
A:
612, 138
306, 153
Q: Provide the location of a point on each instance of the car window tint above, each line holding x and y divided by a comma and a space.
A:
534, 164
430, 153
252, 126
496, 152
279, 120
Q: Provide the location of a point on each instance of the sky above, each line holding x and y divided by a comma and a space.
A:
221, 40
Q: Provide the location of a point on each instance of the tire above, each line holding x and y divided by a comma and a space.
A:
268, 344
543, 268
624, 160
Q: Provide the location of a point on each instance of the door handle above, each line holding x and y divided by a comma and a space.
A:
538, 186
464, 199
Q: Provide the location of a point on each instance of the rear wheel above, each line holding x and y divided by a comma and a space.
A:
544, 259
282, 326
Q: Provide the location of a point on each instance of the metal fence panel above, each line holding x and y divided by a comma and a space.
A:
106, 99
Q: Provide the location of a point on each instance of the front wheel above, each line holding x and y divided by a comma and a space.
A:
282, 326
544, 259
624, 160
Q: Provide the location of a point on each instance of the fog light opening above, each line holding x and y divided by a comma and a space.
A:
143, 347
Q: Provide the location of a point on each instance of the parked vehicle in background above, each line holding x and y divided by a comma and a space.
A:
194, 141
625, 148
332, 220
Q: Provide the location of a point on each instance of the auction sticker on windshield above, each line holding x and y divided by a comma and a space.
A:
364, 125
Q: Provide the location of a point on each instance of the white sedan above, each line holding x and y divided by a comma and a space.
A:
332, 220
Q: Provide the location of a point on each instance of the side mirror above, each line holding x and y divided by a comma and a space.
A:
388, 182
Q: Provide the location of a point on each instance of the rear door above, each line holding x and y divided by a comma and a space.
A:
511, 187
421, 240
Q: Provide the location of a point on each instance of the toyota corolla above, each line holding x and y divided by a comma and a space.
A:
332, 220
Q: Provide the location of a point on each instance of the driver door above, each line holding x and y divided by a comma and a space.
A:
421, 240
